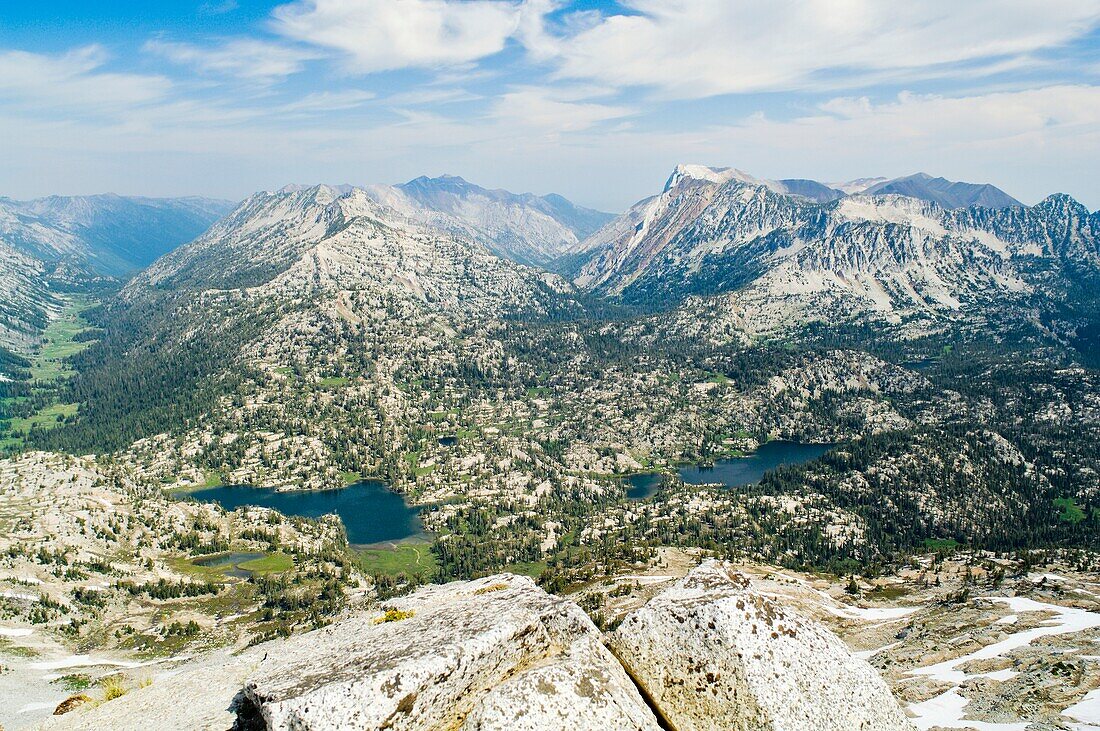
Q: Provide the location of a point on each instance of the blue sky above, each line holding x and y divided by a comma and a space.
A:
594, 99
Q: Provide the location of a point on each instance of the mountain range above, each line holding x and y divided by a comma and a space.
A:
523, 227
790, 251
915, 244
341, 239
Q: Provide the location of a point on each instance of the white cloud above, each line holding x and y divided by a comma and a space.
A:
552, 111
329, 101
431, 95
1031, 142
245, 58
379, 35
73, 80
690, 48
218, 8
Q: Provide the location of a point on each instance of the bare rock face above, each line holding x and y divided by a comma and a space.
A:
715, 656
583, 689
496, 653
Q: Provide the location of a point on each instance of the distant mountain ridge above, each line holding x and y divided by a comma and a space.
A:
946, 193
62, 243
104, 235
719, 230
524, 227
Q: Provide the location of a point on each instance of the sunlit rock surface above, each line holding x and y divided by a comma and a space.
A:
715, 655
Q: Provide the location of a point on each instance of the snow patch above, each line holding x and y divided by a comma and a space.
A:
1068, 621
947, 711
1087, 711
15, 632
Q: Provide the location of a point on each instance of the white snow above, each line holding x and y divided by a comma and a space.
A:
1087, 711
32, 707
1008, 619
84, 661
1069, 620
864, 614
851, 187
15, 632
870, 614
891, 209
717, 175
947, 710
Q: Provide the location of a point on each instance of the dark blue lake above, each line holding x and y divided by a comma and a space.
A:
731, 472
748, 470
639, 487
372, 513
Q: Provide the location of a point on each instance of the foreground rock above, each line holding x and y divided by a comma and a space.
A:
500, 654
713, 655
499, 650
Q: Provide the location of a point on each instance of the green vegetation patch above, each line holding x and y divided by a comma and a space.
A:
7, 647
48, 370
1071, 512
407, 558
333, 382
74, 681
533, 569
887, 593
272, 563
937, 544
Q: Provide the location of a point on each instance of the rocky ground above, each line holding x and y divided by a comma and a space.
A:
969, 642
962, 641
499, 653
98, 575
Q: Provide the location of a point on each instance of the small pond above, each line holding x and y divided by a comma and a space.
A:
229, 563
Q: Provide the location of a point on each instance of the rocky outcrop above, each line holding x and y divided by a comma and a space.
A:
500, 654
713, 655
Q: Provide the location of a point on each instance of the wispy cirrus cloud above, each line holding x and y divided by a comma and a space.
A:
554, 110
246, 58
75, 79
693, 48
328, 101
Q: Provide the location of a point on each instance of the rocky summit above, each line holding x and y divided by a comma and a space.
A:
499, 653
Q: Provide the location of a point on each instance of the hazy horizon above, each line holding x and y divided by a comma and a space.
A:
592, 99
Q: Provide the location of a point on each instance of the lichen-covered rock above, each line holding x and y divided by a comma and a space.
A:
585, 688
713, 655
481, 651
